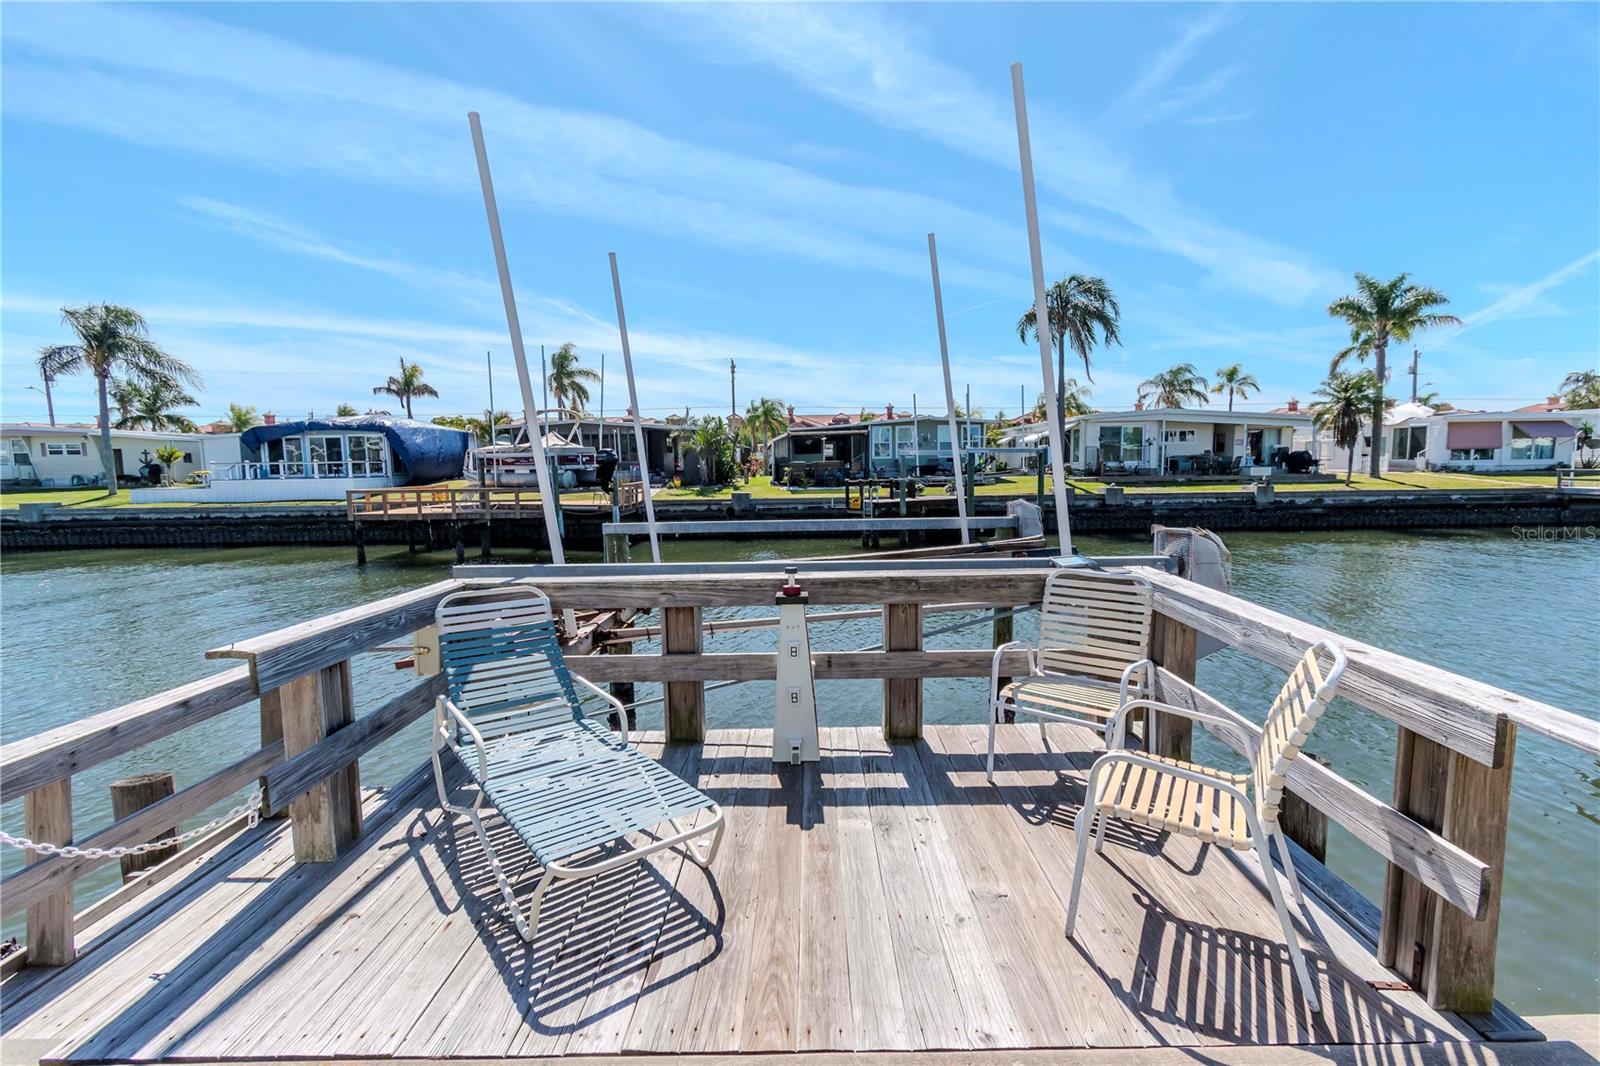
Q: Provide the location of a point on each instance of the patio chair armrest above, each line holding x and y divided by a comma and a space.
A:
994, 665
1116, 729
1127, 677
445, 707
616, 704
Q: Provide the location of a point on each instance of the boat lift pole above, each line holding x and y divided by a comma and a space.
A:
638, 426
1041, 309
530, 413
949, 391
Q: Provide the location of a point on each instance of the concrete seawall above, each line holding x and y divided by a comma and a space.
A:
61, 529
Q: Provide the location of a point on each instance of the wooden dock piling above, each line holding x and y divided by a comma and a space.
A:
133, 794
686, 700
902, 696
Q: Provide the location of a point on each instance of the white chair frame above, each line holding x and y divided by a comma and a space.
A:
1125, 685
1261, 819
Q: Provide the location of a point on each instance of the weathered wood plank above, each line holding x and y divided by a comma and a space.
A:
1445, 868
48, 757
902, 696
685, 700
37, 880
131, 795
836, 527
823, 1019
284, 654
1464, 715
47, 818
300, 774
762, 666
1461, 964
1173, 646
998, 587
314, 706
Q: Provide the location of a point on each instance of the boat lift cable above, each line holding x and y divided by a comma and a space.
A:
953, 627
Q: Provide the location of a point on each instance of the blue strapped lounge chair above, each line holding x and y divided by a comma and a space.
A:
563, 781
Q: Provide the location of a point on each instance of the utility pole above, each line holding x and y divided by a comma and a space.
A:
1416, 358
733, 393
968, 409
600, 431
544, 379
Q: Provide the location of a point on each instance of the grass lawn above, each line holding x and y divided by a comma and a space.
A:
760, 488
81, 499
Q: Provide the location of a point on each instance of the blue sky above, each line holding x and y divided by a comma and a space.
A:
288, 191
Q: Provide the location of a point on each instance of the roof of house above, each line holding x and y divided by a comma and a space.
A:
1553, 403
78, 429
1190, 414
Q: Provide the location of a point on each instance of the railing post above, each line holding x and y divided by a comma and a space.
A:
1443, 952
327, 819
1172, 646
47, 814
902, 696
1303, 823
1001, 629
686, 700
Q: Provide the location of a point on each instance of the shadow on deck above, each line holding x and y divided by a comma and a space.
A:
884, 899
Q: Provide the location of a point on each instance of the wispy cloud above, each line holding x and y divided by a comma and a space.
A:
168, 80
1152, 95
870, 62
1526, 298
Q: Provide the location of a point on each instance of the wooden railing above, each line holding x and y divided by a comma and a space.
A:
1443, 834
465, 502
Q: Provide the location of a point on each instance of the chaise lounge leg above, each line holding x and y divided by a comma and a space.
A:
989, 765
1100, 834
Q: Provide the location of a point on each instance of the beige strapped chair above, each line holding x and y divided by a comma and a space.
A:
1094, 628
1214, 805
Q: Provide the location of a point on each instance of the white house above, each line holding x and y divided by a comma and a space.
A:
1485, 440
68, 454
1174, 440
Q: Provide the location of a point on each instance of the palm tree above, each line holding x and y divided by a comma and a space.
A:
408, 384
1377, 313
1079, 307
1235, 382
482, 429
169, 455
765, 418
1580, 390
241, 418
1173, 386
111, 338
150, 405
567, 379
1346, 401
1075, 400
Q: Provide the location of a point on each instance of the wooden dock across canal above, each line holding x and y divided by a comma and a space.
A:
884, 900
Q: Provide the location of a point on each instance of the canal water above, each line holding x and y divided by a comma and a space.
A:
82, 632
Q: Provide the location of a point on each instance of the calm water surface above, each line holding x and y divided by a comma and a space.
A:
82, 632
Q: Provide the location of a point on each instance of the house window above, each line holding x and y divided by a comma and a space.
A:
1410, 442
1121, 444
286, 458
1180, 436
882, 442
366, 455
57, 448
1462, 455
906, 440
1526, 447
976, 436
327, 456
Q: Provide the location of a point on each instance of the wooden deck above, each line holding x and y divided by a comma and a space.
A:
886, 898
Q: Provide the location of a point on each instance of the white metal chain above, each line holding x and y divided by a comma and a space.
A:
250, 810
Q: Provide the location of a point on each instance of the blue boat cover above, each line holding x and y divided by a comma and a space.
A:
423, 452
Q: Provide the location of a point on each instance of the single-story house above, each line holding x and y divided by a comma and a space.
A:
1169, 440
884, 445
68, 454
616, 435
322, 459
1485, 440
